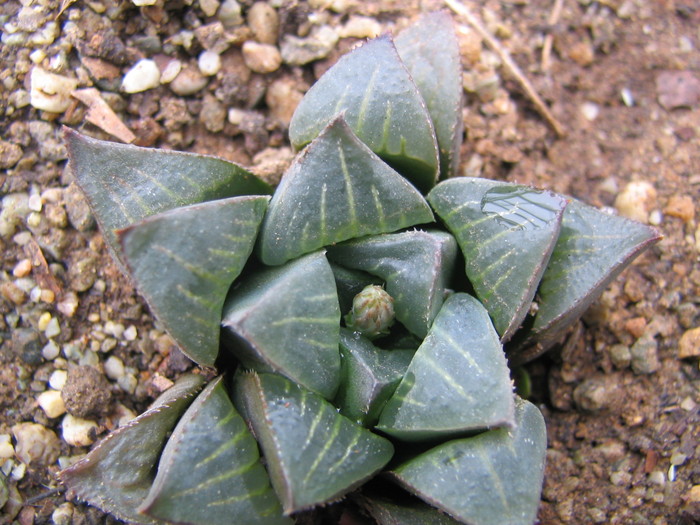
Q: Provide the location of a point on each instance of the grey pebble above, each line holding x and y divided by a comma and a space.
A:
593, 394
644, 356
82, 271
620, 356
9, 154
26, 344
188, 82
213, 114
299, 51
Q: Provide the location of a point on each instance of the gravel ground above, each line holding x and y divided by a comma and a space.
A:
80, 353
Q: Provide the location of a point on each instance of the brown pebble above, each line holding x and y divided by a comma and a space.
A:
677, 89
582, 53
86, 392
12, 292
689, 344
264, 22
636, 326
681, 206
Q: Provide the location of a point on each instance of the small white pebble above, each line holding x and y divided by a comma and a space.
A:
657, 478
50, 351
35, 294
688, 404
34, 202
63, 514
78, 432
128, 383
53, 328
7, 451
114, 329
590, 111
89, 358
678, 458
37, 56
124, 415
19, 471
171, 70
143, 76
114, 368
58, 379
51, 403
209, 63
34, 219
656, 218
627, 97
130, 333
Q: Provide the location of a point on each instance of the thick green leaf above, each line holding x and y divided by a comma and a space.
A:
374, 90
494, 478
430, 50
458, 380
337, 189
593, 248
124, 184
286, 320
349, 283
369, 377
210, 470
404, 512
117, 474
506, 233
415, 265
314, 454
184, 260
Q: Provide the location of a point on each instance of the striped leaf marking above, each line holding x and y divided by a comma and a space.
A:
381, 103
183, 262
442, 392
506, 233
494, 478
337, 189
314, 454
210, 470
286, 319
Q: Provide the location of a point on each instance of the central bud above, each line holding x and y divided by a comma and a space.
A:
372, 312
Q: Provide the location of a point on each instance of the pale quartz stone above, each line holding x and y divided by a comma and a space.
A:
209, 63
58, 379
50, 92
51, 403
78, 432
636, 200
143, 76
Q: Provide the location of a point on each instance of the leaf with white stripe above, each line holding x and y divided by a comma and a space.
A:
430, 50
314, 454
210, 471
443, 393
117, 474
183, 262
336, 190
415, 265
373, 89
124, 184
286, 320
494, 478
507, 233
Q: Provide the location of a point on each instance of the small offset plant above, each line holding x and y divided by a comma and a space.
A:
355, 321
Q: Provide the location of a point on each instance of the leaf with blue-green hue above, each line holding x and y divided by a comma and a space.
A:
593, 248
458, 380
373, 89
349, 283
369, 377
183, 262
314, 455
494, 478
124, 184
286, 320
336, 190
415, 265
210, 471
507, 233
117, 474
404, 512
430, 50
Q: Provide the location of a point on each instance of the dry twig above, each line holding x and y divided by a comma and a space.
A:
549, 39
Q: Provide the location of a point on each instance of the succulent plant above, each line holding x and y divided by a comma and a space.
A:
355, 321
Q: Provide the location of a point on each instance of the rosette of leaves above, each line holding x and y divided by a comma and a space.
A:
304, 409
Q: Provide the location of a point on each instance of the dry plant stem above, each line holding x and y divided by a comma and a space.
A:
509, 64
549, 39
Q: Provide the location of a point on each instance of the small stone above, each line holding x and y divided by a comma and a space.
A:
53, 328
209, 7
261, 58
620, 478
171, 69
264, 22
300, 51
592, 395
283, 97
658, 478
209, 63
9, 154
213, 114
678, 458
689, 344
50, 351
188, 82
644, 354
63, 514
50, 92
128, 383
681, 206
114, 368
57, 380
7, 451
144, 75
636, 201
627, 97
360, 27
230, 14
78, 211
143, 3
27, 345
22, 268
13, 293
590, 111
677, 89
36, 444
130, 333
693, 495
34, 202
51, 403
68, 305
582, 53
82, 272
86, 392
78, 432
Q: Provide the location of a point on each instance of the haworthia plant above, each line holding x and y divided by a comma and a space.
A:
352, 362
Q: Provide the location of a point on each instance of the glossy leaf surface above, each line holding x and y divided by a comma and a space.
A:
493, 478
443, 391
506, 233
415, 265
404, 512
369, 377
380, 102
593, 248
210, 471
430, 50
117, 474
286, 320
314, 454
183, 262
337, 189
124, 184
